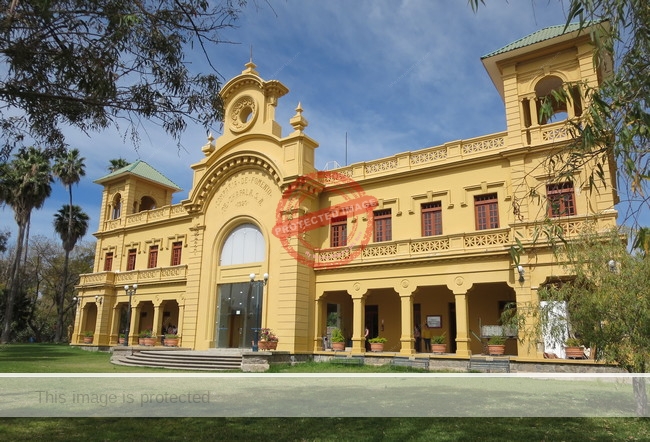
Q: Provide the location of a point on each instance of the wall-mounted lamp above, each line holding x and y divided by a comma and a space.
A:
612, 265
99, 299
520, 270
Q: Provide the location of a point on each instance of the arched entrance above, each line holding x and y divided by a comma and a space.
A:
239, 304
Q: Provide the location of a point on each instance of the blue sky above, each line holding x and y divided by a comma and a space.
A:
394, 75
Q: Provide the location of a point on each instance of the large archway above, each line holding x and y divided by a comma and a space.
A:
239, 304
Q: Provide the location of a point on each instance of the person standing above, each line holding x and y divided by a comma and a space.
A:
426, 337
365, 335
416, 335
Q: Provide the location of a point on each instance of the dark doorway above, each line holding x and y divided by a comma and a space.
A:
452, 327
372, 320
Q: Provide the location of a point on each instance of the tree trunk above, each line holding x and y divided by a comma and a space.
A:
14, 287
60, 304
60, 301
641, 396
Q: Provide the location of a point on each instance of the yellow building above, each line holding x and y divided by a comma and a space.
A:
418, 238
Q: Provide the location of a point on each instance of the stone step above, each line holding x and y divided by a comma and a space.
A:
181, 359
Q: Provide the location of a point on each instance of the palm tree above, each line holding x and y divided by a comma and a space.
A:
69, 168
25, 184
117, 163
71, 223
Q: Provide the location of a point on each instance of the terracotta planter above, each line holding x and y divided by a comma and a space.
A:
267, 345
150, 342
496, 350
438, 348
574, 352
88, 339
171, 342
377, 346
120, 341
338, 346
140, 341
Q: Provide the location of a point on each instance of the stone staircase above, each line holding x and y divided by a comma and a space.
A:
179, 359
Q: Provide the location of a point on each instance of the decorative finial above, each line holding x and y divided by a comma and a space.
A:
209, 147
299, 122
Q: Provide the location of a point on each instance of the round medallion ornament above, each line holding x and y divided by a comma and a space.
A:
459, 281
242, 114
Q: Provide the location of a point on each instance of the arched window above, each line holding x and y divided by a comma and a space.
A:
543, 91
147, 203
244, 245
117, 206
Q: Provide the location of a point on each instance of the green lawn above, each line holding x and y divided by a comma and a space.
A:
64, 359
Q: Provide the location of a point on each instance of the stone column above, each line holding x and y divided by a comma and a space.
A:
462, 325
319, 327
157, 322
358, 325
407, 340
134, 323
181, 317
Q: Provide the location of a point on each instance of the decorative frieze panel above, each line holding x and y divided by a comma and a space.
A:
337, 255
381, 166
379, 251
558, 133
429, 156
483, 145
96, 278
487, 239
430, 245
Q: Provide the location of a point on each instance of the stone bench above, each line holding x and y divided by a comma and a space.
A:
346, 360
489, 364
408, 362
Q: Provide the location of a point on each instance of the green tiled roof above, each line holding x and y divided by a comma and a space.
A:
536, 37
143, 170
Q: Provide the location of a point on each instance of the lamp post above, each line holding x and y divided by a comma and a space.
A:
258, 305
130, 291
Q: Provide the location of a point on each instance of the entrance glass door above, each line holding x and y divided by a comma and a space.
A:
238, 307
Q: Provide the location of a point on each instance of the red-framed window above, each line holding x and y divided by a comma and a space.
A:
383, 226
153, 257
487, 211
339, 232
177, 249
130, 261
561, 199
108, 262
431, 218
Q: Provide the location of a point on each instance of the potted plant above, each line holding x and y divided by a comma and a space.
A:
496, 345
88, 337
438, 344
171, 340
146, 338
573, 349
268, 340
377, 344
121, 338
338, 340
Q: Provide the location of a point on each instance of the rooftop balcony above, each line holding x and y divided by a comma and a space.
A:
458, 245
146, 216
120, 279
